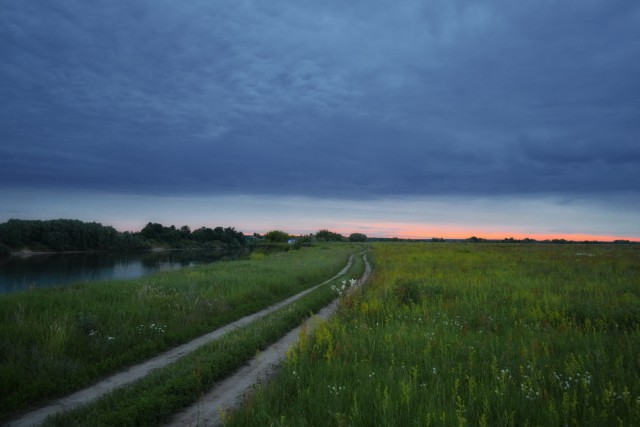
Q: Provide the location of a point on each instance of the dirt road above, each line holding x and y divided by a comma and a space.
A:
134, 373
228, 393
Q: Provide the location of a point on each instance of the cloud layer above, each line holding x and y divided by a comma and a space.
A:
323, 99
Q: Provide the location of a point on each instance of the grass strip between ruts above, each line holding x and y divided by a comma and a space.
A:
165, 391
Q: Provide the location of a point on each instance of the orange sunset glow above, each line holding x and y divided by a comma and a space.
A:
422, 231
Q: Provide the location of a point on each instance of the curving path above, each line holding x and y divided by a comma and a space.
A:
227, 394
136, 372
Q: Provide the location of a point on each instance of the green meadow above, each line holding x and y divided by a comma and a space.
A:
155, 398
54, 341
471, 334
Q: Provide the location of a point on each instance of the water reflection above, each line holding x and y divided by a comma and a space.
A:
48, 270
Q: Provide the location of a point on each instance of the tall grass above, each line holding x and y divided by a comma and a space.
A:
53, 341
153, 400
461, 334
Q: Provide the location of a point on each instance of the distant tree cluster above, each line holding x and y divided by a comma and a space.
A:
65, 235
329, 236
204, 235
474, 239
278, 240
276, 236
357, 237
74, 235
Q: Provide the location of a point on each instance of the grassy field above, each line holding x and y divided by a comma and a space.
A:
154, 399
58, 340
464, 334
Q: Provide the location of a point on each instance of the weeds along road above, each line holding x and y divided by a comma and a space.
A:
137, 372
228, 393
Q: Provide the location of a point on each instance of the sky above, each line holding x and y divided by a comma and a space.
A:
439, 118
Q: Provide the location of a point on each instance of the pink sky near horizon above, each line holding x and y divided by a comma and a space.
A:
407, 231
539, 218
422, 231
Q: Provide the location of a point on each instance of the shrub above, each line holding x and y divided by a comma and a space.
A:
277, 236
357, 237
328, 236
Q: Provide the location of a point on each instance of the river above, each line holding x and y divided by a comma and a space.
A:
47, 270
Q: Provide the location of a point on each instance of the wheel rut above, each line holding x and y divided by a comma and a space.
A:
229, 393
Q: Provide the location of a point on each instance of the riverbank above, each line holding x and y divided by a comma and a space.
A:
67, 269
25, 253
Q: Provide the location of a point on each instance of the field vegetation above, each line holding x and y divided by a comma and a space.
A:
53, 341
165, 391
471, 334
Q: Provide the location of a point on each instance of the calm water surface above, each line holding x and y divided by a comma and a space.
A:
41, 271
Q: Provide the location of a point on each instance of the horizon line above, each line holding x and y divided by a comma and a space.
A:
402, 231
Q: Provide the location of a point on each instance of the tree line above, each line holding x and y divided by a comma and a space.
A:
203, 235
320, 236
74, 235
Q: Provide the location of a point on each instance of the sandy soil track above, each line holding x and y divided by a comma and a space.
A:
228, 393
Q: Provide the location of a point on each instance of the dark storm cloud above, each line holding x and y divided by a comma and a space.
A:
326, 99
